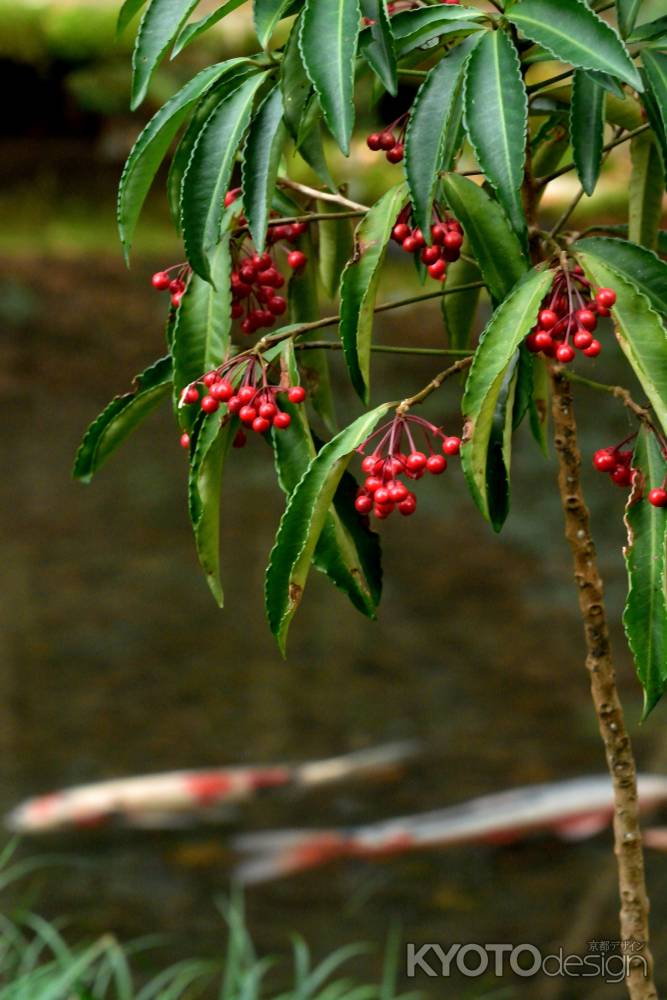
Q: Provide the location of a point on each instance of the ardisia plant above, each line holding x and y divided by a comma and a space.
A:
489, 123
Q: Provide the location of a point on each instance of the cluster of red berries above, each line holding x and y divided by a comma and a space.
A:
446, 236
383, 490
174, 283
392, 145
242, 385
618, 464
569, 316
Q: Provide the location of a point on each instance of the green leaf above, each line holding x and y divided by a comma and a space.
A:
203, 326
496, 117
159, 26
414, 28
538, 410
294, 82
152, 145
627, 11
302, 523
587, 128
607, 82
641, 267
650, 30
429, 122
359, 284
261, 158
127, 13
311, 147
508, 326
573, 33
645, 615
377, 44
621, 231
190, 32
499, 452
651, 111
266, 14
459, 310
494, 243
328, 40
548, 153
639, 331
209, 449
647, 187
207, 177
655, 65
335, 248
123, 414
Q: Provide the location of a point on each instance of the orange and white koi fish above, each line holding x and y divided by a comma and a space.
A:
572, 809
162, 800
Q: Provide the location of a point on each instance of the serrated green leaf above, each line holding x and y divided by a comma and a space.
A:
266, 14
328, 41
639, 331
575, 34
123, 414
209, 171
645, 614
127, 12
427, 127
538, 410
301, 524
203, 326
647, 187
650, 30
499, 452
621, 231
494, 243
336, 246
190, 32
414, 28
261, 158
627, 11
159, 26
359, 284
459, 311
294, 82
508, 326
607, 82
587, 128
209, 448
643, 268
152, 145
311, 146
655, 65
496, 117
652, 113
524, 386
377, 44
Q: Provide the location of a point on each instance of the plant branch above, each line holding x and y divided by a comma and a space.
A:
618, 748
434, 384
543, 181
643, 413
533, 88
337, 199
335, 345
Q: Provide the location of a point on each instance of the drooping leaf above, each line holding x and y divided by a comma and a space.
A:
209, 448
294, 82
161, 23
127, 12
328, 40
575, 34
651, 30
261, 158
151, 146
266, 14
627, 11
645, 615
359, 284
414, 28
655, 65
538, 410
499, 452
508, 326
301, 524
335, 248
606, 82
209, 171
647, 187
496, 117
639, 331
459, 310
123, 414
656, 122
377, 44
524, 386
195, 29
311, 147
587, 129
641, 267
620, 230
495, 245
203, 325
427, 127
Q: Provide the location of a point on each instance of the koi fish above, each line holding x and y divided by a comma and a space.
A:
162, 800
572, 809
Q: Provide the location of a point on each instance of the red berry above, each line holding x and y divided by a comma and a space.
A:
594, 349
408, 506
239, 439
185, 440
605, 297
622, 475
438, 270
222, 391
451, 445
400, 232
191, 394
602, 313
373, 141
587, 319
604, 460
372, 484
247, 414
387, 141
436, 464
231, 197
416, 461
439, 232
234, 404
160, 281
237, 310
245, 394
582, 339
248, 325
209, 404
382, 497
267, 410
277, 305
453, 240
564, 353
395, 154
530, 343
658, 497
209, 378
282, 420
296, 260
296, 394
419, 237
383, 512
176, 286
260, 425
430, 255
363, 503
176, 299
368, 464
398, 491
543, 340
548, 319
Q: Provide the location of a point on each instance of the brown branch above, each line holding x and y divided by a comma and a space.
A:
434, 384
618, 748
337, 199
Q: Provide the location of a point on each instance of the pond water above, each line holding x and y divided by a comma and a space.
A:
117, 662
